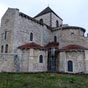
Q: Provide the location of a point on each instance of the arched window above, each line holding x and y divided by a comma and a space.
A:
6, 48
70, 66
40, 59
2, 48
41, 21
55, 38
57, 23
31, 36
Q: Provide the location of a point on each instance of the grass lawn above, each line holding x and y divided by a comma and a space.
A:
42, 80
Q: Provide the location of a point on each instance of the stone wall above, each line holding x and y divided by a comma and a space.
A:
23, 28
30, 61
26, 61
45, 17
62, 62
18, 28
86, 61
54, 19
50, 19
71, 36
9, 63
77, 57
7, 27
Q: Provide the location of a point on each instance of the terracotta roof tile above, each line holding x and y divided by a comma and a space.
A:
30, 45
52, 44
74, 46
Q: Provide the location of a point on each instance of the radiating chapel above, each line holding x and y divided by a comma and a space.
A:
41, 43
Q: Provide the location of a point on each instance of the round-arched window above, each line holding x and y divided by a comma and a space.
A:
41, 59
41, 21
70, 66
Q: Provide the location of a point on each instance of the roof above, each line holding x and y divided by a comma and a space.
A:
73, 47
74, 27
52, 44
46, 10
30, 45
37, 46
30, 18
69, 27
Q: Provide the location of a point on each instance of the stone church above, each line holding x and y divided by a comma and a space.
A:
41, 43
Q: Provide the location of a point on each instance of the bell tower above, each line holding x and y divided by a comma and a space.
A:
49, 17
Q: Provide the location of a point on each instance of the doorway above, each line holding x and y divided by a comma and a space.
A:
51, 61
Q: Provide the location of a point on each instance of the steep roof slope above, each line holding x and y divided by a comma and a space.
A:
46, 10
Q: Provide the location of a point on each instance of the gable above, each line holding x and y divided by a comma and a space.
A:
45, 11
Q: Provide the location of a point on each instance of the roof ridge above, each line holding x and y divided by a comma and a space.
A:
47, 10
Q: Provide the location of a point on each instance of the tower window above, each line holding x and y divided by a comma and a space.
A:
6, 48
2, 48
41, 21
5, 34
2, 36
40, 59
55, 38
57, 23
31, 36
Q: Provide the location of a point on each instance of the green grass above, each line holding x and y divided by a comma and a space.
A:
42, 80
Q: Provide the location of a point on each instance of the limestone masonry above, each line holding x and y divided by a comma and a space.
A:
41, 43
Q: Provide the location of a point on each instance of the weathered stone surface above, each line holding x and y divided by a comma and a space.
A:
18, 27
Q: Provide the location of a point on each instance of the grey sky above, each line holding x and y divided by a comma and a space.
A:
73, 12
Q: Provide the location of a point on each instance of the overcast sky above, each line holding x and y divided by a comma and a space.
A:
73, 12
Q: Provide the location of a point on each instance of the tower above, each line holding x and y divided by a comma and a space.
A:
49, 17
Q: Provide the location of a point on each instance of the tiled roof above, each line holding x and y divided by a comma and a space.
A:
74, 47
52, 44
46, 10
30, 45
37, 46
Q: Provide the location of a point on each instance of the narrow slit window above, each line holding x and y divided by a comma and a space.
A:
5, 34
2, 48
57, 23
6, 48
55, 38
31, 36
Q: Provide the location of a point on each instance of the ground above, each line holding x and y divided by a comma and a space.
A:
43, 80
